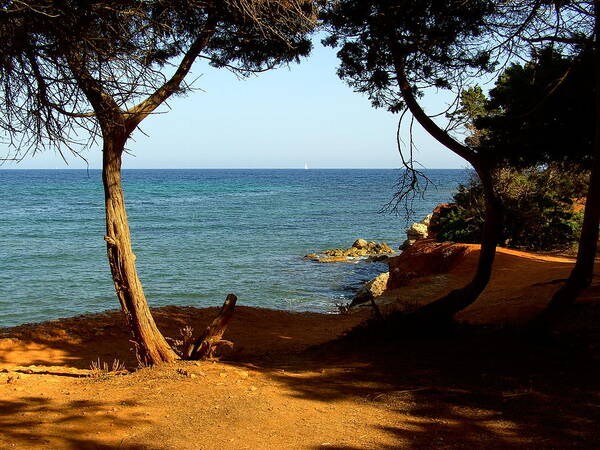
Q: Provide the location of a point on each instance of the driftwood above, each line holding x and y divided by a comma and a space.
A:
211, 342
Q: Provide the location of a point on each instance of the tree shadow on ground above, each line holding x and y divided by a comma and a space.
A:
63, 424
470, 388
77, 341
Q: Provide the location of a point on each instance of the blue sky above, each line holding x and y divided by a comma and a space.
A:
279, 119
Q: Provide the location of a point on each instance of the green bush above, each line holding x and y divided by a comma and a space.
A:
539, 211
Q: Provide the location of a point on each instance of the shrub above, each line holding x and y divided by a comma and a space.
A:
539, 209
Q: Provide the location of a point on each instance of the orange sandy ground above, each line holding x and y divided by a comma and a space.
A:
468, 388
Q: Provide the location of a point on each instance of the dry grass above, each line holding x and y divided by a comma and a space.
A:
100, 369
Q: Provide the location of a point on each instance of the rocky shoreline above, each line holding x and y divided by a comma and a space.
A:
420, 255
400, 266
413, 261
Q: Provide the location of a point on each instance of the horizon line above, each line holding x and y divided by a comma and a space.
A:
235, 168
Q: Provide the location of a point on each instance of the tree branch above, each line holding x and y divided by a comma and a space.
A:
561, 39
139, 112
100, 100
424, 120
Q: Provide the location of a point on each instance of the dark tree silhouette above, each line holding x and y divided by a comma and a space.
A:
539, 123
541, 112
393, 51
570, 28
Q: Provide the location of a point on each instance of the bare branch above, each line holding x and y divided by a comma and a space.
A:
141, 111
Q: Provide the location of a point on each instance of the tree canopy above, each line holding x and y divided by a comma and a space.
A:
436, 41
541, 112
135, 53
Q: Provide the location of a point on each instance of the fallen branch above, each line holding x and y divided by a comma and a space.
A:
211, 342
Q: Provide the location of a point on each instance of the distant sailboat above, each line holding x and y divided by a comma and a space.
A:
305, 166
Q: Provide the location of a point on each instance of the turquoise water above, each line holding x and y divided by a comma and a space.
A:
198, 235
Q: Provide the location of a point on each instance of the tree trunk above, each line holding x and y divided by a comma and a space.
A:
151, 346
116, 126
581, 275
459, 299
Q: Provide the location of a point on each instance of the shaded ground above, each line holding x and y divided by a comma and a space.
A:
475, 386
76, 341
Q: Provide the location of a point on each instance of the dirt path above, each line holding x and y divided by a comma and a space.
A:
471, 388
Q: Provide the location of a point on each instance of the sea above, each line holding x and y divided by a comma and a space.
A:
198, 235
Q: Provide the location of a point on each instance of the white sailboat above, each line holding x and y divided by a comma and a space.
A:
305, 166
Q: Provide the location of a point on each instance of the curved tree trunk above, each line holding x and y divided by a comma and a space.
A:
151, 346
211, 341
581, 275
459, 299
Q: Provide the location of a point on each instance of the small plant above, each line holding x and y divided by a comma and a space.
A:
343, 308
186, 337
187, 333
179, 345
99, 369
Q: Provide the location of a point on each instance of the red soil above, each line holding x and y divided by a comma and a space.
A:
472, 388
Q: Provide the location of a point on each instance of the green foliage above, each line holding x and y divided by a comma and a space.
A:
434, 40
541, 112
539, 210
474, 105
536, 124
53, 52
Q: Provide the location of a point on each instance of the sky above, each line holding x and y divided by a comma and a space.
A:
284, 118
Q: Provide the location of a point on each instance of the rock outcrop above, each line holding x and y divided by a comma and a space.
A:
371, 289
360, 243
416, 232
428, 227
360, 248
425, 257
440, 211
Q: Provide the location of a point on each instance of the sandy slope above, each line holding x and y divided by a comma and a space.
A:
472, 388
521, 286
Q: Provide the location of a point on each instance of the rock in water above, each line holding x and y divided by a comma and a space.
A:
360, 248
371, 289
312, 256
333, 259
351, 252
360, 243
379, 248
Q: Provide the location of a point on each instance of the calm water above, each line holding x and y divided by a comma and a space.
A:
198, 235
